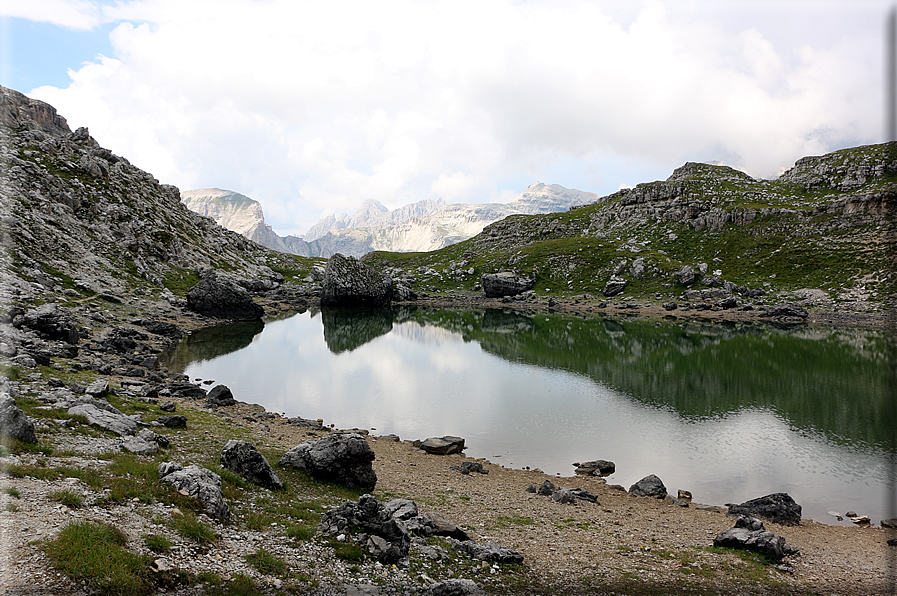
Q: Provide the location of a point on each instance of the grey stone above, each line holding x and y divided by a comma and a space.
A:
99, 388
435, 524
199, 483
14, 423
168, 406
615, 285
342, 458
454, 587
649, 486
563, 495
349, 282
113, 421
547, 489
148, 435
505, 283
446, 445
487, 551
173, 421
219, 396
49, 322
244, 459
401, 508
749, 534
140, 446
686, 275
402, 292
470, 466
185, 390
598, 467
889, 523
393, 541
778, 508
221, 297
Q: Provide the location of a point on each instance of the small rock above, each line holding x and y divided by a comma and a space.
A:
649, 486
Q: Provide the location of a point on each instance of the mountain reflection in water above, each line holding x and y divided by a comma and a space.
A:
728, 411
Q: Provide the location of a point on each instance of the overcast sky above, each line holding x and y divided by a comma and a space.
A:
313, 107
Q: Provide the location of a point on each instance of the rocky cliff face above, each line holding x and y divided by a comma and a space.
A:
78, 220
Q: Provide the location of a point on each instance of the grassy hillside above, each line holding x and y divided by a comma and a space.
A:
826, 224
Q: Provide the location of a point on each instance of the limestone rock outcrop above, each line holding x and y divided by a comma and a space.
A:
349, 282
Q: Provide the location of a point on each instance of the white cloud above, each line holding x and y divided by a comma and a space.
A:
72, 14
312, 107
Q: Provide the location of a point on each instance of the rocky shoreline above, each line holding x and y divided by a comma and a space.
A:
620, 543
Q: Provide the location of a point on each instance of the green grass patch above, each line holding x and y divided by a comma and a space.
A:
12, 492
95, 553
68, 498
266, 563
157, 543
239, 585
301, 532
191, 528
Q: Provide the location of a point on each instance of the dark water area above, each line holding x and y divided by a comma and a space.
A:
727, 411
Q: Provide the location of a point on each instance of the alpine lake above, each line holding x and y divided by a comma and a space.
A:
727, 411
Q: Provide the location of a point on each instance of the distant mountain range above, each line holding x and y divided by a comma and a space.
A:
421, 226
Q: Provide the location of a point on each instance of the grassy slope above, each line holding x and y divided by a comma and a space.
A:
791, 237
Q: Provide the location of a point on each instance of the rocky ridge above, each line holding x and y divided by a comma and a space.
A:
80, 221
421, 226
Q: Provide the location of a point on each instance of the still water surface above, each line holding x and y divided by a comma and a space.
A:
729, 412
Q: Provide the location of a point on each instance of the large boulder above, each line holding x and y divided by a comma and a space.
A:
778, 508
107, 418
505, 283
49, 322
615, 285
649, 486
349, 282
244, 459
341, 458
14, 423
220, 396
221, 297
199, 483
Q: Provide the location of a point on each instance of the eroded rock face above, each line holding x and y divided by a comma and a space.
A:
50, 322
505, 283
342, 458
778, 508
349, 282
244, 459
221, 297
199, 483
14, 423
